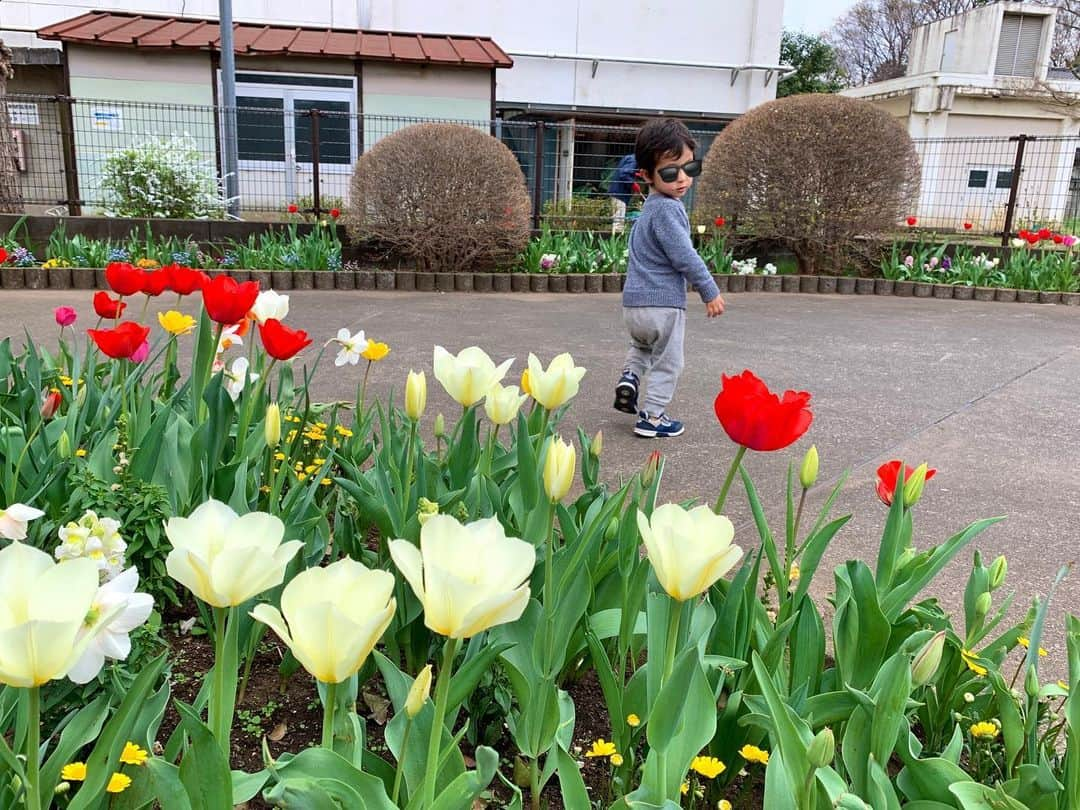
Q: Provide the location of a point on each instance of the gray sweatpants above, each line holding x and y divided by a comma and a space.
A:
656, 350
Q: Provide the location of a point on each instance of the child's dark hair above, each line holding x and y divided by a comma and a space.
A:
660, 137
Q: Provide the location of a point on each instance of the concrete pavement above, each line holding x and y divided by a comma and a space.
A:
986, 393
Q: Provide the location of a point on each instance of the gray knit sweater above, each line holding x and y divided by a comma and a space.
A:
663, 258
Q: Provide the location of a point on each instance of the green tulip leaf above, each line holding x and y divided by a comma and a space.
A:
166, 786
204, 770
460, 794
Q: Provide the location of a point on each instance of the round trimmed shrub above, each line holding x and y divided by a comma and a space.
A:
812, 173
445, 196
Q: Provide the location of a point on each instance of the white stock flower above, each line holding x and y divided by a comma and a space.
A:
116, 610
352, 347
96, 539
13, 520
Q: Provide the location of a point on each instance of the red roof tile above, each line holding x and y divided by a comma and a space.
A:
258, 39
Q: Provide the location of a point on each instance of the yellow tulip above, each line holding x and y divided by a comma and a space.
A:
43, 607
332, 617
468, 577
559, 469
558, 384
272, 428
469, 375
418, 693
502, 403
225, 559
688, 549
176, 323
415, 395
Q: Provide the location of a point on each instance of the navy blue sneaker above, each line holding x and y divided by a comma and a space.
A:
626, 393
662, 428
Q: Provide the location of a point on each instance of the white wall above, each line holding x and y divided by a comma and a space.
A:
690, 30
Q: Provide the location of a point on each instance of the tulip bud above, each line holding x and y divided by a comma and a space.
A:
426, 510
559, 469
612, 530
652, 466
906, 556
1031, 682
822, 748
50, 403
925, 664
80, 395
63, 446
419, 692
272, 427
596, 447
440, 426
983, 604
415, 395
913, 487
998, 569
809, 470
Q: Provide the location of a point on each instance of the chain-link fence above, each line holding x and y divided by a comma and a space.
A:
301, 152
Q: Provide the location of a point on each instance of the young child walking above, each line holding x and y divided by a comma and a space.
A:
662, 260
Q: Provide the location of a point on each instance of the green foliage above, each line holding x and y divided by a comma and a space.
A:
816, 67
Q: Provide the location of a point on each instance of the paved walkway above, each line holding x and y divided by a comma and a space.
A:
986, 393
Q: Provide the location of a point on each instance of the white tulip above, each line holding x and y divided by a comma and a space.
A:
688, 549
270, 304
469, 375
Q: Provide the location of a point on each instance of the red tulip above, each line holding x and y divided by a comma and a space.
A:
1044, 233
336, 212
1033, 238
1058, 238
124, 278
758, 419
967, 226
719, 222
3, 255
65, 316
121, 342
292, 209
911, 221
227, 301
155, 282
886, 479
281, 342
106, 307
50, 403
184, 280
1023, 234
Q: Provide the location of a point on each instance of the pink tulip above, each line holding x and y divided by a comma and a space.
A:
65, 316
141, 353
1068, 241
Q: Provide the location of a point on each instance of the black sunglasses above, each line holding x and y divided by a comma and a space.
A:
669, 174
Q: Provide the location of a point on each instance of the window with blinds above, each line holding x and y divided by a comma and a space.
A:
1018, 46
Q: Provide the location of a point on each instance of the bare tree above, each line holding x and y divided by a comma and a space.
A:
446, 196
11, 201
812, 173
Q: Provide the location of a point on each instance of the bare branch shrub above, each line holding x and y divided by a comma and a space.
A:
447, 196
811, 173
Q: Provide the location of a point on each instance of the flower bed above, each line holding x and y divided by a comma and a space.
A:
462, 579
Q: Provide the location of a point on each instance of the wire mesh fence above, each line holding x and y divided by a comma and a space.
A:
296, 151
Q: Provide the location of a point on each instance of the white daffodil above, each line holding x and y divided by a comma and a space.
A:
352, 347
235, 376
13, 520
230, 336
116, 610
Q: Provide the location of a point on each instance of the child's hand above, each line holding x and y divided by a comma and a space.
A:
715, 307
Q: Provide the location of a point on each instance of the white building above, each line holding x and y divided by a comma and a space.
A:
973, 81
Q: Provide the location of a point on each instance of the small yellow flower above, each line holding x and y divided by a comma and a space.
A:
66, 381
279, 456
321, 425
1025, 642
310, 468
146, 264
794, 573
684, 788
133, 755
176, 323
118, 783
616, 760
751, 753
301, 476
318, 461
709, 767
74, 772
264, 488
327, 482
970, 659
601, 748
633, 720
343, 431
723, 804
375, 351
291, 436
293, 418
984, 730
81, 452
